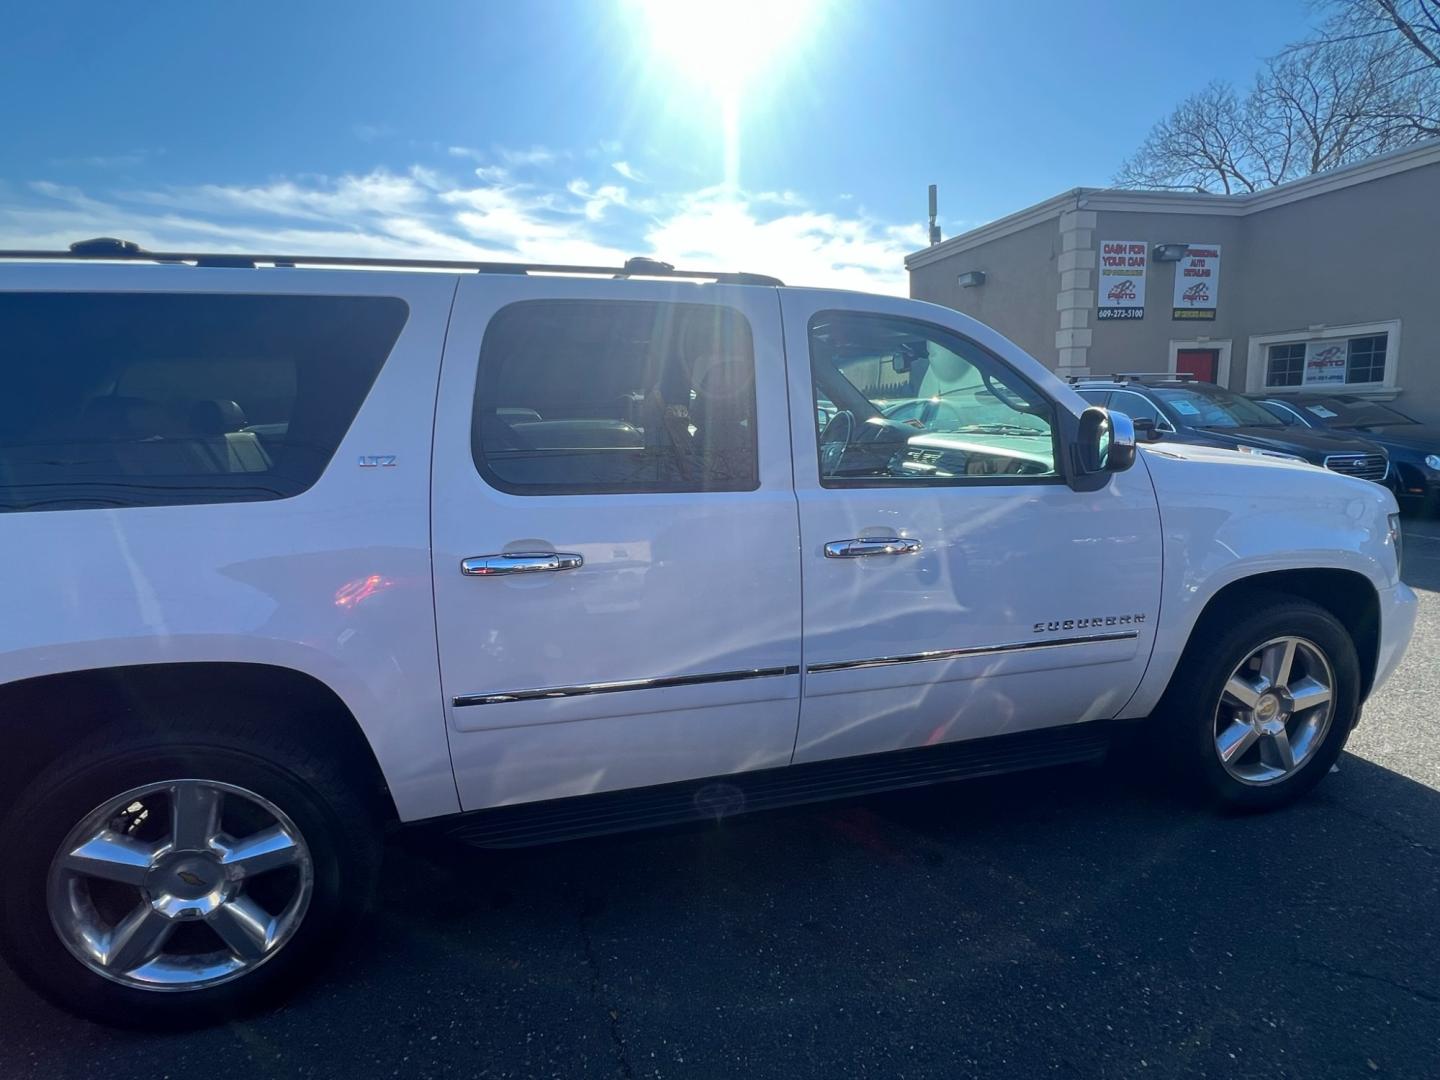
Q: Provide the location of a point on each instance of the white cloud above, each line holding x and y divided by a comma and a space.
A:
628, 171
726, 231
535, 155
597, 199
316, 197
420, 212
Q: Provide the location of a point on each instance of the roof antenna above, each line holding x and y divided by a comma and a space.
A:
934, 229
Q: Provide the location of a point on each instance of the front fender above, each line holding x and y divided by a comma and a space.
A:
1226, 517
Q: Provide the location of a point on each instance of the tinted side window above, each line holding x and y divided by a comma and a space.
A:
152, 399
585, 396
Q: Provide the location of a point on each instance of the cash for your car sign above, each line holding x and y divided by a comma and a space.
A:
1197, 282
1122, 280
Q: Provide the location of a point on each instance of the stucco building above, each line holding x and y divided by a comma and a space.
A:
1326, 284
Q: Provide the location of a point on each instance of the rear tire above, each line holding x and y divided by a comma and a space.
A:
1262, 703
312, 865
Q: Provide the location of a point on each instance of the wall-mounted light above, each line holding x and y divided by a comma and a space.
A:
1170, 252
971, 279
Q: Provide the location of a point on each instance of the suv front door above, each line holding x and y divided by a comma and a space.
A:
954, 586
615, 537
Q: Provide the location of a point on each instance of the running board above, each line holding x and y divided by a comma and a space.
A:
714, 798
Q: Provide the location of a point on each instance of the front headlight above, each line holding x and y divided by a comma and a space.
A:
1397, 539
1270, 454
1433, 461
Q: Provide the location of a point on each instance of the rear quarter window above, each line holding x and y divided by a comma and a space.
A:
154, 399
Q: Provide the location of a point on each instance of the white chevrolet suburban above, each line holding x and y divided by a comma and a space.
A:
300, 548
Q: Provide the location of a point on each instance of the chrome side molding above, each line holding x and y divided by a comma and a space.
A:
975, 650
663, 682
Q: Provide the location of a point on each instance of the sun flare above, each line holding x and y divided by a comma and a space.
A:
724, 44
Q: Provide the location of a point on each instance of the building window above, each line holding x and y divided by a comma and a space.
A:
1365, 362
1357, 356
1286, 365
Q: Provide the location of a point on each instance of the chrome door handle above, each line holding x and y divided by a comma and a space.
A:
519, 562
870, 545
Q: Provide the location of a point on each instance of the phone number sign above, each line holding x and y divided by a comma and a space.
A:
1121, 292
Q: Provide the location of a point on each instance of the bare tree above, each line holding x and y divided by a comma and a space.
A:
1204, 145
1368, 81
1408, 32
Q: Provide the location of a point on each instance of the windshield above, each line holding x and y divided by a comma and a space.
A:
1213, 408
1350, 414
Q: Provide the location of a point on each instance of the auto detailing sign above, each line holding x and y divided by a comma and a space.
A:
1122, 280
1324, 362
1197, 283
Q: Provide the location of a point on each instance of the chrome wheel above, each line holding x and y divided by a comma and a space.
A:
1275, 711
180, 885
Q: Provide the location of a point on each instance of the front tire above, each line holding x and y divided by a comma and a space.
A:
1263, 702
170, 882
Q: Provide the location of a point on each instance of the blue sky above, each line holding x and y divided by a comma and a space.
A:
578, 131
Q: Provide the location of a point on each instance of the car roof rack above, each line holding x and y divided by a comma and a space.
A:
1141, 377
109, 249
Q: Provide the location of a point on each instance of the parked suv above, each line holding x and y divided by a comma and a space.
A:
1413, 447
1182, 409
296, 553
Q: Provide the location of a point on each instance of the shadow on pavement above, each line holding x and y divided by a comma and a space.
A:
1077, 922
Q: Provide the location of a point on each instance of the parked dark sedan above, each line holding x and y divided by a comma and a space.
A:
1185, 410
1414, 448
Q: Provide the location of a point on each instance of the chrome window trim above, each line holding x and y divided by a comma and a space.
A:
976, 650
660, 683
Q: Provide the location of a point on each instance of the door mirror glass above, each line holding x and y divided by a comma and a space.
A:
1106, 441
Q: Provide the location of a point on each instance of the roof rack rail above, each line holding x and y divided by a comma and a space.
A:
1163, 376
1135, 376
110, 249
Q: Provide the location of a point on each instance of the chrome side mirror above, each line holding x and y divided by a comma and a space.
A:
1106, 441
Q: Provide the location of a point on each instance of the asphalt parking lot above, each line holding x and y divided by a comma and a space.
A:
1079, 923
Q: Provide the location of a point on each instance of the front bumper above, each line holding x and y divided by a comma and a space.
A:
1397, 624
1413, 483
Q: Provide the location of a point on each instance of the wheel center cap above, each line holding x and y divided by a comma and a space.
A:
1270, 714
187, 885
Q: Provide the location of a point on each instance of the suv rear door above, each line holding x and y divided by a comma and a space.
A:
954, 586
612, 467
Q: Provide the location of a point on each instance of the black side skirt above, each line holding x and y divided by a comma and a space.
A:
766, 789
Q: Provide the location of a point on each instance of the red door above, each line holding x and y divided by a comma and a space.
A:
1202, 363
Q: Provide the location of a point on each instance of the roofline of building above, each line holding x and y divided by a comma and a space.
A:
1184, 202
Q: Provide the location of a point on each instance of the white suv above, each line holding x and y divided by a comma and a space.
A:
296, 551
